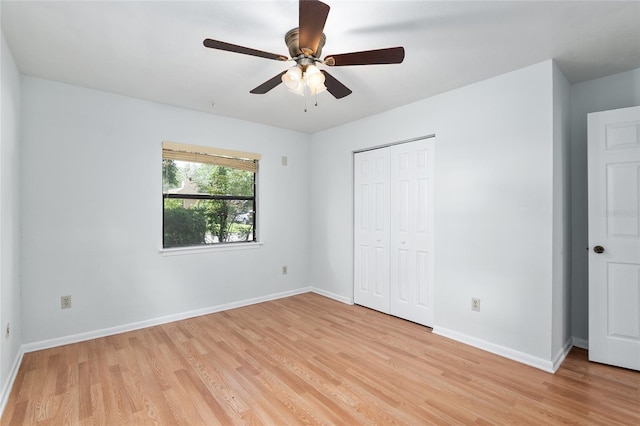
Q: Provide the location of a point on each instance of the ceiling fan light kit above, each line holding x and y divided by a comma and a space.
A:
305, 45
298, 79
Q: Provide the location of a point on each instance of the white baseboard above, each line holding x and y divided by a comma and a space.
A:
562, 354
333, 296
580, 343
6, 389
81, 337
524, 358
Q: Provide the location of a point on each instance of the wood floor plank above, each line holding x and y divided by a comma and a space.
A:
307, 359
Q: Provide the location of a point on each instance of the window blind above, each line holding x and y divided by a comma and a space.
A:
208, 155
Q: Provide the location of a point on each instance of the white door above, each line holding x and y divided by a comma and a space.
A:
371, 239
412, 238
614, 237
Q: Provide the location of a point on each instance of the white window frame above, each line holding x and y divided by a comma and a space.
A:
218, 156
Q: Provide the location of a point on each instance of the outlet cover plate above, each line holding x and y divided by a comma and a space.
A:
475, 304
65, 302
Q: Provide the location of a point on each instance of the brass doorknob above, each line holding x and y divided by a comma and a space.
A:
598, 249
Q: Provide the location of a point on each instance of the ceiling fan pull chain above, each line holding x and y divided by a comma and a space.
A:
305, 98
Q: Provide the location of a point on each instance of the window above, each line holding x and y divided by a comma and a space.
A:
208, 195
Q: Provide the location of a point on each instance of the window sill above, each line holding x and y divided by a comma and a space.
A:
209, 249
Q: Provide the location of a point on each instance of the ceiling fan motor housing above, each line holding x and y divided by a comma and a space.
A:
291, 38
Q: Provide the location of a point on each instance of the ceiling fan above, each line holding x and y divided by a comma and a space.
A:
305, 47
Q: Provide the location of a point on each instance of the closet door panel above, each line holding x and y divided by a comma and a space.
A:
371, 238
411, 231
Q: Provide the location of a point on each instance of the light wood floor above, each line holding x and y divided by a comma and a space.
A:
307, 359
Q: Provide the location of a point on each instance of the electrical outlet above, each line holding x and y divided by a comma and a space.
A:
65, 302
475, 304
8, 330
284, 270
284, 160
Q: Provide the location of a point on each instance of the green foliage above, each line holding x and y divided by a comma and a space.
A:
218, 218
169, 174
173, 203
221, 180
183, 227
243, 231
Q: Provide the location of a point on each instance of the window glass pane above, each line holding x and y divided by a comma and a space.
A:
190, 222
207, 204
183, 177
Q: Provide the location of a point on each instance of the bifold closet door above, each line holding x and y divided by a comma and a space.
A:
371, 229
411, 231
393, 230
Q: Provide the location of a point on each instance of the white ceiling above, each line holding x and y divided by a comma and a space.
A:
153, 49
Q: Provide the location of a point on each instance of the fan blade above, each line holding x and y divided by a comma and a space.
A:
391, 55
268, 85
221, 45
312, 16
337, 89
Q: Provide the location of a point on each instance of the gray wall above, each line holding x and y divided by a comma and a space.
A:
561, 217
10, 299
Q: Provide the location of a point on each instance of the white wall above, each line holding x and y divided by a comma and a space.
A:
612, 92
494, 206
561, 292
10, 300
92, 212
